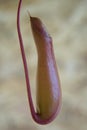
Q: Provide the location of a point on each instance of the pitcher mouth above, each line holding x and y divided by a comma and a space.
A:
37, 26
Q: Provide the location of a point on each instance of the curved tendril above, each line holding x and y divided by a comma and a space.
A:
24, 61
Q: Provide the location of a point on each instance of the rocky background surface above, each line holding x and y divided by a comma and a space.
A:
66, 21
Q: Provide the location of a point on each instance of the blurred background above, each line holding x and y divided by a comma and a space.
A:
66, 21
